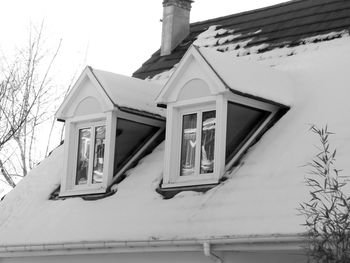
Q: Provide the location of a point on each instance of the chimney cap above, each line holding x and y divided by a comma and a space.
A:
185, 4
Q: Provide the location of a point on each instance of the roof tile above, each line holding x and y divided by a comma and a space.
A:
279, 25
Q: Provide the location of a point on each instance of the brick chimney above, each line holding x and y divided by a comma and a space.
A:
176, 24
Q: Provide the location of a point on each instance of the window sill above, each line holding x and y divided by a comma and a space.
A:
190, 183
170, 192
86, 191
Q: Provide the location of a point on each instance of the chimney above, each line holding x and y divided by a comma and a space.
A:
176, 24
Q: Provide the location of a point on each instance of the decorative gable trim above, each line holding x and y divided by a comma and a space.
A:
192, 59
70, 103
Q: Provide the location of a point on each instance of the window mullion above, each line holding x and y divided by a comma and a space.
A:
199, 141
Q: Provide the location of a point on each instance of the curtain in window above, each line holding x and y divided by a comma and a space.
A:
100, 136
208, 142
188, 146
83, 156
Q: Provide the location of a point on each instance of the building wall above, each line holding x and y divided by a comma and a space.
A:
161, 257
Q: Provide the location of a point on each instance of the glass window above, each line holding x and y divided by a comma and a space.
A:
242, 122
99, 150
191, 134
131, 136
208, 142
83, 156
188, 146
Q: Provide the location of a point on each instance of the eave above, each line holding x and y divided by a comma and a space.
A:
286, 242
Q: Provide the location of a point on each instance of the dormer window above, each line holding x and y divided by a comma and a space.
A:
198, 140
210, 125
107, 129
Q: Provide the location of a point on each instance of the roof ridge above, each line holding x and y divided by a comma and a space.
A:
287, 3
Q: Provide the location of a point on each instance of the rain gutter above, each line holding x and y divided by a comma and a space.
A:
249, 243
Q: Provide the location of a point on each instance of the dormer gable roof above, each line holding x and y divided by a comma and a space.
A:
225, 72
86, 82
129, 92
111, 91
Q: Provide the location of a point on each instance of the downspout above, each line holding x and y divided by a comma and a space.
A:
208, 253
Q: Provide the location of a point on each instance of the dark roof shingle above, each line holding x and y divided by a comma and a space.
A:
279, 25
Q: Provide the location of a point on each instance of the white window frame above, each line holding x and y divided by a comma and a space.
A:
173, 143
92, 125
199, 112
73, 125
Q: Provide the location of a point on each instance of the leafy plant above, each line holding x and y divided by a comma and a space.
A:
327, 212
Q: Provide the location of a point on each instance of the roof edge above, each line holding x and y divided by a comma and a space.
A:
290, 242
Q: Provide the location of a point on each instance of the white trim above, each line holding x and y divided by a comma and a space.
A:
90, 117
110, 147
192, 54
189, 182
221, 105
83, 191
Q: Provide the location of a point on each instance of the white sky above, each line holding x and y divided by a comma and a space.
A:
112, 35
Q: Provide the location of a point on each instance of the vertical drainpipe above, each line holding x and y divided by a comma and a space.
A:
208, 253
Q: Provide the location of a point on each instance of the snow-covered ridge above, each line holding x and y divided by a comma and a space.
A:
213, 38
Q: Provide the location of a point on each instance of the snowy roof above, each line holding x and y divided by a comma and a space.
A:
257, 31
129, 92
259, 198
242, 77
115, 90
250, 78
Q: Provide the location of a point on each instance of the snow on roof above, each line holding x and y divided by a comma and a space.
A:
238, 50
250, 77
260, 196
258, 31
130, 92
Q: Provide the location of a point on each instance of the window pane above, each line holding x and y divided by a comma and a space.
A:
99, 150
208, 142
83, 156
188, 146
131, 136
242, 121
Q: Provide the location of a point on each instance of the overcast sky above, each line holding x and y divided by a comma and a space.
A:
113, 35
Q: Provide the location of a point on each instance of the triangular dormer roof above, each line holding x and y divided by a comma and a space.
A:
111, 91
228, 73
